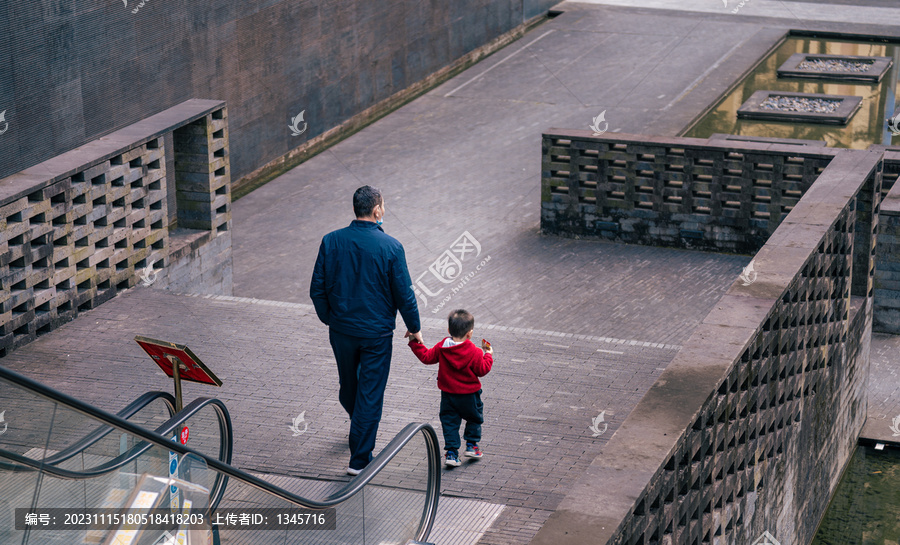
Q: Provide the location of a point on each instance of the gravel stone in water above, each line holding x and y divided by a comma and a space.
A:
800, 104
835, 65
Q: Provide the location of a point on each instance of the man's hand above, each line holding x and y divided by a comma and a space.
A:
417, 336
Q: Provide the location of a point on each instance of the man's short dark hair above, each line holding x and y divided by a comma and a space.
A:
365, 199
460, 323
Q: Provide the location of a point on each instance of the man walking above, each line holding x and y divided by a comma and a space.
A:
359, 283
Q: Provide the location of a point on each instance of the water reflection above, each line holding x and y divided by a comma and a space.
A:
865, 128
865, 509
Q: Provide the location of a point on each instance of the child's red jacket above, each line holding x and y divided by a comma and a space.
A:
460, 365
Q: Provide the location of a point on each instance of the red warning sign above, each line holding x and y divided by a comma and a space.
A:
189, 365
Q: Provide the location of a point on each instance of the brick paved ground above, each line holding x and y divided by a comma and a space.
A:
464, 157
275, 362
884, 389
470, 161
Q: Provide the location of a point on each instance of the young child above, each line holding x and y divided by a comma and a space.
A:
461, 363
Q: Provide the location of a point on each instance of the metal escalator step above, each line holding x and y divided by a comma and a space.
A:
461, 521
39, 453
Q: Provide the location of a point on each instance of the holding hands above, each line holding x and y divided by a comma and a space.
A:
417, 336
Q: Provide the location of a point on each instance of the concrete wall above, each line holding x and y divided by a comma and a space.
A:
197, 263
78, 228
750, 426
73, 70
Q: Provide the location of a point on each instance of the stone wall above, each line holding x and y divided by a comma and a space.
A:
79, 228
715, 194
749, 428
71, 72
728, 193
887, 272
198, 263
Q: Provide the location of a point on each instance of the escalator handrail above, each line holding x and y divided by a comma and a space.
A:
166, 429
353, 486
122, 459
130, 410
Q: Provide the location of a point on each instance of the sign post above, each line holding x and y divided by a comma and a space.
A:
177, 361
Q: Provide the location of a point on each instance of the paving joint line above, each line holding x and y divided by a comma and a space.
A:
436, 322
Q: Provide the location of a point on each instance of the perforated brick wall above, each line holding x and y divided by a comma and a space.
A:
749, 428
887, 273
685, 192
785, 387
77, 229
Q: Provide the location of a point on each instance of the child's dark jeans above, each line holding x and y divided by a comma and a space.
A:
457, 407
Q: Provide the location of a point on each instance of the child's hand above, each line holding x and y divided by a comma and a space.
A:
486, 346
417, 336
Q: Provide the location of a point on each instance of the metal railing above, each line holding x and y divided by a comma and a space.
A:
396, 494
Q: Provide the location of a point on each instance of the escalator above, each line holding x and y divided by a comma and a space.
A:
65, 465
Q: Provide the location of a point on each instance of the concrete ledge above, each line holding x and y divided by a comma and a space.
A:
93, 153
94, 219
728, 442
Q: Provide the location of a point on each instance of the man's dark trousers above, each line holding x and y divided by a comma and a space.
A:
363, 368
456, 407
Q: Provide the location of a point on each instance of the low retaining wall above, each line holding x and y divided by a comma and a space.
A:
748, 429
728, 193
717, 195
887, 270
198, 263
79, 228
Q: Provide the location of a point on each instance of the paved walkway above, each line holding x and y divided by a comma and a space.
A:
580, 327
798, 13
274, 359
884, 390
465, 158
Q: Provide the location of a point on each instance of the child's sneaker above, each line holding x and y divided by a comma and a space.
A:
472, 450
452, 459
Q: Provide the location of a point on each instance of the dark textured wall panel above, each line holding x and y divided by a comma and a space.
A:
74, 70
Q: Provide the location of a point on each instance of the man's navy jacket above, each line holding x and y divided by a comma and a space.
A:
360, 281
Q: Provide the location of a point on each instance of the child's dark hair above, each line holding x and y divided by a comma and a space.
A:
460, 323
